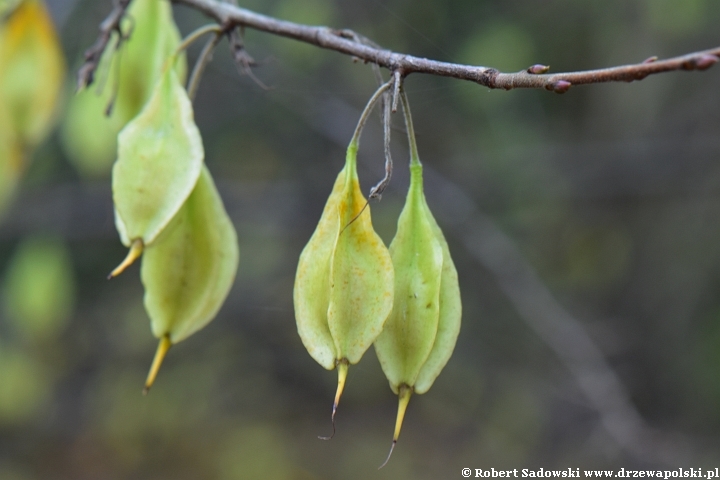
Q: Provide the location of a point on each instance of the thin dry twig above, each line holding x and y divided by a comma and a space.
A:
348, 42
377, 191
566, 335
243, 61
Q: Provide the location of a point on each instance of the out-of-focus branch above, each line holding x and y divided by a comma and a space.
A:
563, 333
345, 41
86, 73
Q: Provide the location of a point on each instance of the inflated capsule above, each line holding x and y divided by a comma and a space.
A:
344, 283
188, 271
160, 155
419, 335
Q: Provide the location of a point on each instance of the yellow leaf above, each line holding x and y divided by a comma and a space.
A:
32, 69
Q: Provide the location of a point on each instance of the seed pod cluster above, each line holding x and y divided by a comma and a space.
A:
168, 210
347, 293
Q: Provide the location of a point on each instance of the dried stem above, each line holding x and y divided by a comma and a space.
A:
368, 109
86, 73
377, 190
414, 156
193, 36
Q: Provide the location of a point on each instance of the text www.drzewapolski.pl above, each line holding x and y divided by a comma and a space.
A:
707, 474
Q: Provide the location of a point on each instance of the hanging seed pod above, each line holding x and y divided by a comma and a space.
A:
188, 271
39, 288
419, 335
123, 83
160, 155
344, 283
32, 69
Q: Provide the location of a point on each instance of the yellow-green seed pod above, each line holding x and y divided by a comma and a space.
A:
420, 333
32, 69
344, 283
188, 271
409, 333
160, 155
39, 288
123, 83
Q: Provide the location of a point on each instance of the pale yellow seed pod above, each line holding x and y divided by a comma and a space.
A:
344, 283
188, 271
160, 156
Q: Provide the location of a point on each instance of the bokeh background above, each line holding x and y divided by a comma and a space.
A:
585, 228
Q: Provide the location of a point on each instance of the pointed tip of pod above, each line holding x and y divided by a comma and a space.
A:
162, 350
342, 368
404, 394
392, 447
136, 249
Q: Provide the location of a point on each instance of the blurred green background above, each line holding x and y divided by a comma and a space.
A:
585, 229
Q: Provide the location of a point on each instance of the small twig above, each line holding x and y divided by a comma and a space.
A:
197, 33
116, 71
243, 61
200, 64
347, 42
368, 108
86, 73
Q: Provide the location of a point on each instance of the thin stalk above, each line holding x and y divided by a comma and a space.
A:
355, 140
414, 157
355, 143
200, 64
193, 36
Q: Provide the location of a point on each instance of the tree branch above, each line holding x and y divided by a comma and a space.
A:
345, 41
